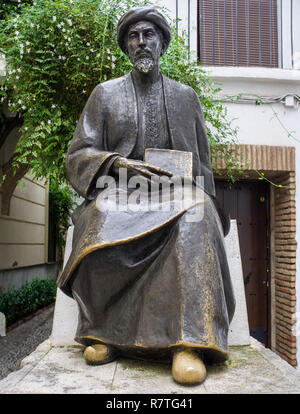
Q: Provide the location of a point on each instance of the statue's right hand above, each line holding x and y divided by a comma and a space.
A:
135, 167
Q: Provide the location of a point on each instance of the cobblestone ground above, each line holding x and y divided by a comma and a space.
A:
23, 339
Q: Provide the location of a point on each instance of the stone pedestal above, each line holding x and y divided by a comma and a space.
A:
66, 311
2, 324
239, 327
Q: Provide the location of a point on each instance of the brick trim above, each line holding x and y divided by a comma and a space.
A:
261, 157
285, 267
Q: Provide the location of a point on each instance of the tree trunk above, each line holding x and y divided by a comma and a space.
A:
8, 126
10, 182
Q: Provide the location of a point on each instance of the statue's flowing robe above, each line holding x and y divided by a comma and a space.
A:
146, 282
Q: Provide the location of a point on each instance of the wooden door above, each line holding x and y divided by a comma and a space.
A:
248, 203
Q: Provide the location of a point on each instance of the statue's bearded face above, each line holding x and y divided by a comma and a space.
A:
144, 45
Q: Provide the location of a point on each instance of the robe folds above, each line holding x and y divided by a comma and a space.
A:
146, 282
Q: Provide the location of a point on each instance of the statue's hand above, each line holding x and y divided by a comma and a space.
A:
135, 167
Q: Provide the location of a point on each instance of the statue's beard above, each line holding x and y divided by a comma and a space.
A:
144, 64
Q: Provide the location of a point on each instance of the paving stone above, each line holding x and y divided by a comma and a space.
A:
65, 371
251, 369
141, 377
23, 340
62, 370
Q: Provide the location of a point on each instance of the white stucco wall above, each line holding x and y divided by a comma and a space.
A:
288, 23
259, 124
186, 11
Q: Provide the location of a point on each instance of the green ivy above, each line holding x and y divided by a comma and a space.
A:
57, 52
8, 7
16, 304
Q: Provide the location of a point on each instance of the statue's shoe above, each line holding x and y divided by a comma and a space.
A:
188, 368
98, 354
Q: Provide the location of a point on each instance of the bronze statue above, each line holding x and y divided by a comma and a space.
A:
149, 284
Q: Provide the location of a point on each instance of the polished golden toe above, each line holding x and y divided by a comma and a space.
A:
98, 354
188, 368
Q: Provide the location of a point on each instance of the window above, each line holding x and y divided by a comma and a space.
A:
238, 32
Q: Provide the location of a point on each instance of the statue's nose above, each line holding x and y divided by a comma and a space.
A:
141, 39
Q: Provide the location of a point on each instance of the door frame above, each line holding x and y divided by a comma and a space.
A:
278, 165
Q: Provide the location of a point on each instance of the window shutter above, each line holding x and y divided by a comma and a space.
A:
238, 32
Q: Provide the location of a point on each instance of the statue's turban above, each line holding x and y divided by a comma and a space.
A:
138, 14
